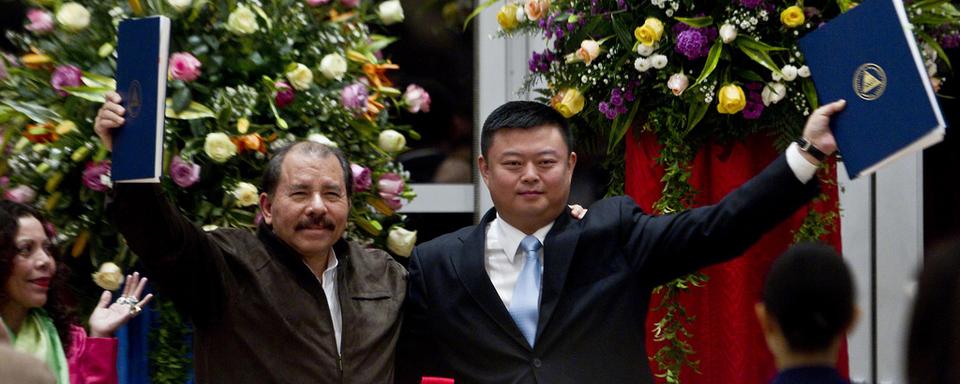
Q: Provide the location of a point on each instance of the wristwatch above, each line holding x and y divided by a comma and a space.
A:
808, 147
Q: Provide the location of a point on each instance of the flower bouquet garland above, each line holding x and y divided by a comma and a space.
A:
690, 72
245, 78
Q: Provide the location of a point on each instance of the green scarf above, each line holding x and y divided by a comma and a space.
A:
38, 337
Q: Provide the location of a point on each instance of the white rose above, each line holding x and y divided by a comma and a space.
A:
242, 21
391, 141
319, 138
246, 194
218, 147
521, 15
803, 71
300, 77
931, 68
645, 50
658, 61
641, 64
728, 33
179, 5
677, 83
390, 12
109, 276
333, 66
773, 93
401, 241
73, 16
789, 72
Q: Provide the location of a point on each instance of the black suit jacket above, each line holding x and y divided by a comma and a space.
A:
597, 277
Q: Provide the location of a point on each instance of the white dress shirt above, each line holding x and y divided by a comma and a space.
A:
503, 240
329, 284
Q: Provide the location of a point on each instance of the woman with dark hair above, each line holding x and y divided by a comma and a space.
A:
32, 311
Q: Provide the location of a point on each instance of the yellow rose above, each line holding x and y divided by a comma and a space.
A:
218, 146
300, 77
73, 16
730, 99
109, 276
650, 32
246, 194
242, 21
568, 102
401, 241
507, 17
792, 17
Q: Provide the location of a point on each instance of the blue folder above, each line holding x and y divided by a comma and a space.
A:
142, 50
869, 57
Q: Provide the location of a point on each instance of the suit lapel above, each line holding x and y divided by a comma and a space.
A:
470, 267
559, 246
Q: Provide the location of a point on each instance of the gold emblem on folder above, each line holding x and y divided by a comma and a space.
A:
134, 99
869, 81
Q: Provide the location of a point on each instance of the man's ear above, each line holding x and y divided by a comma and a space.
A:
572, 160
854, 319
265, 205
484, 168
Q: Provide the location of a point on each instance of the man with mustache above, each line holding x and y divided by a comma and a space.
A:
293, 303
529, 295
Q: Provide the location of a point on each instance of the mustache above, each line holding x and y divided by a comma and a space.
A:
323, 222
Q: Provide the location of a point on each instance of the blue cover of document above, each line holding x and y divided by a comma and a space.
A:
142, 50
869, 57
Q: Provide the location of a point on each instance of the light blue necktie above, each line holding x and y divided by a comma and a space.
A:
525, 306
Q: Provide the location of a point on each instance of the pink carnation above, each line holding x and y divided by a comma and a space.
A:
390, 186
417, 99
184, 173
41, 21
361, 178
183, 66
97, 176
21, 194
65, 76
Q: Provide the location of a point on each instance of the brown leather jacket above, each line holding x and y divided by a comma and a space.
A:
259, 313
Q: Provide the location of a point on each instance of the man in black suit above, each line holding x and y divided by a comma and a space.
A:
531, 295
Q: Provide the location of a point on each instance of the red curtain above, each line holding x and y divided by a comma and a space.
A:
726, 335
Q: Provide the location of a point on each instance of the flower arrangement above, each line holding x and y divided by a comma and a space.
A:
688, 71
245, 78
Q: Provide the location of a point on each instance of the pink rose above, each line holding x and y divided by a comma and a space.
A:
21, 194
350, 3
184, 173
285, 94
41, 21
390, 186
361, 177
65, 76
183, 66
97, 176
417, 99
314, 3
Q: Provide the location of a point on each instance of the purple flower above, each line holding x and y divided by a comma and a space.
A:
285, 94
391, 186
354, 97
97, 176
752, 110
184, 173
751, 3
693, 44
950, 40
361, 178
41, 21
65, 76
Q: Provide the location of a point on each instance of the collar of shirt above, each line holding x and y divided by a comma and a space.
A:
329, 274
506, 237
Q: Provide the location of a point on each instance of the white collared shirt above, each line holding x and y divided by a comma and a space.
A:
500, 256
329, 284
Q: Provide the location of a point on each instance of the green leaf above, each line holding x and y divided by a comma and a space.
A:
757, 45
181, 99
696, 22
620, 127
476, 11
95, 80
263, 15
695, 114
623, 33
749, 75
193, 111
810, 91
759, 56
712, 59
936, 47
380, 42
35, 112
94, 94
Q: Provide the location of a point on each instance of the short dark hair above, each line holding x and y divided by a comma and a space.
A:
522, 115
933, 345
810, 294
271, 174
